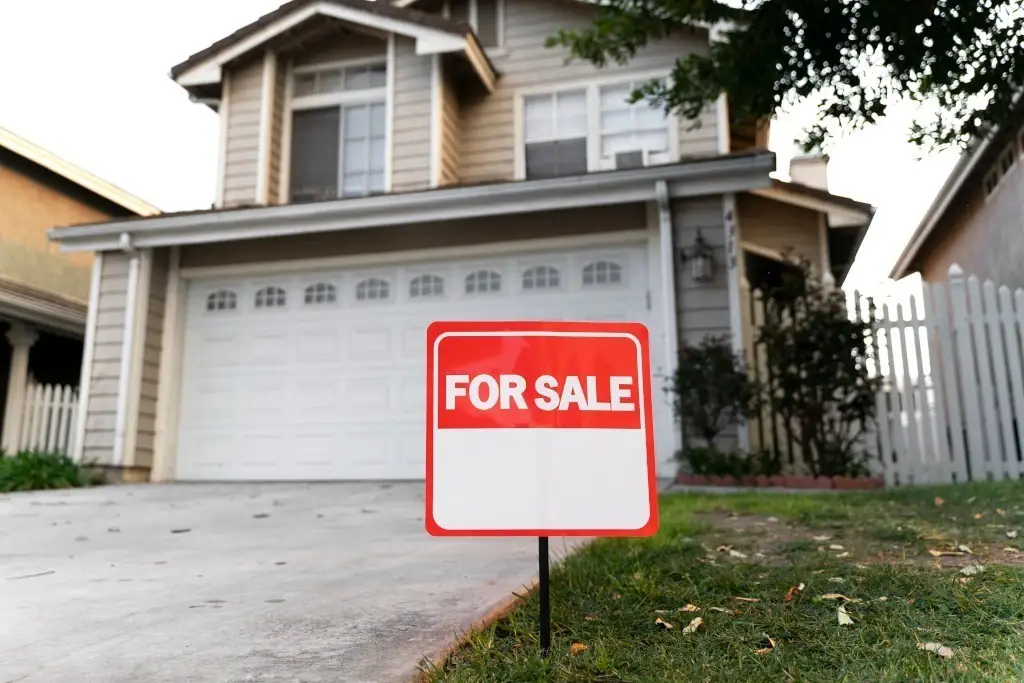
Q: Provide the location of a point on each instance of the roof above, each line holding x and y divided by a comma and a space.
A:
842, 211
965, 166
94, 184
406, 21
736, 172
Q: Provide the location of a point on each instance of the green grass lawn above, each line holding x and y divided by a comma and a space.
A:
712, 550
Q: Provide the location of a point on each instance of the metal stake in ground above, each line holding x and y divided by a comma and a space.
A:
545, 598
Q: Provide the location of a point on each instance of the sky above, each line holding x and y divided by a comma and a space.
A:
89, 82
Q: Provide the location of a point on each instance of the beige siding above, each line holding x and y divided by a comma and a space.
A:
342, 47
242, 147
488, 120
450, 131
702, 308
277, 132
984, 236
780, 227
418, 237
146, 429
106, 366
412, 118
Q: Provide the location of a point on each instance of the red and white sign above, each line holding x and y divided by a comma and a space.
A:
539, 429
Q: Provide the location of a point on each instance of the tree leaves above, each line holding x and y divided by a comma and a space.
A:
852, 58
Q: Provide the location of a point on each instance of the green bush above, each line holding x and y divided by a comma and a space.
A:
711, 462
33, 471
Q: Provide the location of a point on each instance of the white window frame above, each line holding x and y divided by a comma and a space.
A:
997, 169
380, 95
592, 87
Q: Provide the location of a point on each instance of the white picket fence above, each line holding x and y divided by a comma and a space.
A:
48, 420
952, 360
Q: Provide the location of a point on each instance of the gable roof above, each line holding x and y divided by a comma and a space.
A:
433, 34
94, 184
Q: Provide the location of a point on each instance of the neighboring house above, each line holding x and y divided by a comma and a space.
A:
383, 166
43, 293
977, 218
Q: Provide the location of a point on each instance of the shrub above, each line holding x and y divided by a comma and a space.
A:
818, 362
33, 470
711, 462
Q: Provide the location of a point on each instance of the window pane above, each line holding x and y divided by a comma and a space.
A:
538, 115
648, 116
615, 97
654, 141
329, 81
357, 120
355, 185
378, 150
314, 159
305, 84
377, 182
553, 159
487, 22
378, 76
616, 121
355, 156
378, 119
572, 114
621, 142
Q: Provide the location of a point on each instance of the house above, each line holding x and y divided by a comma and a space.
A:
43, 292
385, 165
977, 218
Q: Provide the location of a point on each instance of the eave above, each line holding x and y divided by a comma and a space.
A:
739, 172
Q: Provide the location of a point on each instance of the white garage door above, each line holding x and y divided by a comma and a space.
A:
320, 375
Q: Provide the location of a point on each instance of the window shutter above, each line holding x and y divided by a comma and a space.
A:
314, 163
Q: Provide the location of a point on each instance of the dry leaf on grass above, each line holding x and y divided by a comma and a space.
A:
882, 599
842, 555
972, 569
835, 546
1011, 551
979, 515
766, 650
590, 617
940, 650
689, 608
723, 610
1000, 512
971, 499
737, 554
745, 599
822, 538
839, 596
692, 626
837, 579
577, 648
964, 549
793, 590
944, 553
616, 596
964, 579
1011, 534
938, 501
844, 618
664, 624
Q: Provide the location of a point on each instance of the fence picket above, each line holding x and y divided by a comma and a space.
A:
929, 449
1002, 397
891, 390
864, 308
915, 454
939, 438
947, 388
964, 351
66, 413
989, 417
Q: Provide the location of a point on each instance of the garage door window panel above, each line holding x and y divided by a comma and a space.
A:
222, 300
602, 274
373, 289
321, 293
338, 132
542, 277
483, 282
271, 297
426, 286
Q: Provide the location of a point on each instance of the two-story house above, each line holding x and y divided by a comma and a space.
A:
44, 293
386, 165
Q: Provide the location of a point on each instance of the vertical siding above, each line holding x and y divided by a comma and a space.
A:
106, 367
411, 144
487, 142
702, 309
781, 227
146, 429
242, 149
341, 47
277, 131
450, 131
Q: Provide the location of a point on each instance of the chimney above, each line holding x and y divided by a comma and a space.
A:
810, 170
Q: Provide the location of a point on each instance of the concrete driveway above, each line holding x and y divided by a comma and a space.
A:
217, 583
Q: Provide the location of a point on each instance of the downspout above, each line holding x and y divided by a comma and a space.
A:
669, 285
127, 345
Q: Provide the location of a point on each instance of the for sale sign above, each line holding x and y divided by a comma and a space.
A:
539, 429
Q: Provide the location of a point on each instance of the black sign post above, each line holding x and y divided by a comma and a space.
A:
545, 597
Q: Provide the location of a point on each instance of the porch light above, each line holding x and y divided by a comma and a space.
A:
701, 258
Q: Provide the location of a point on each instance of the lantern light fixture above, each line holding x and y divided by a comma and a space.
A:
701, 258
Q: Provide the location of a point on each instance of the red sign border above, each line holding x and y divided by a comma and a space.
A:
637, 330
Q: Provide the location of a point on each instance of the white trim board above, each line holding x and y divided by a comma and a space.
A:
428, 40
88, 354
598, 239
266, 138
714, 176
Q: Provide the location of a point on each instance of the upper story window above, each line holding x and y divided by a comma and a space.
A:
592, 128
555, 134
338, 132
1003, 165
632, 135
487, 17
222, 300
